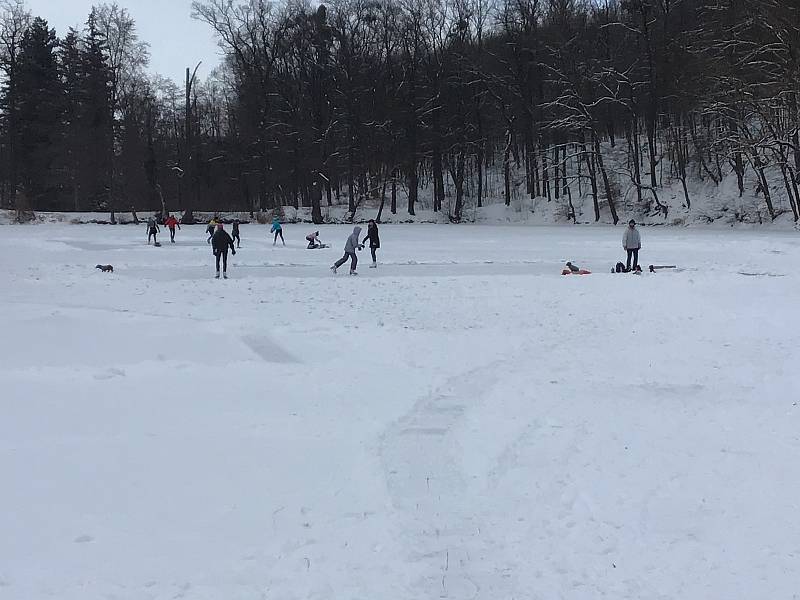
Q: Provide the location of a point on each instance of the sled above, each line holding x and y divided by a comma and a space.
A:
579, 272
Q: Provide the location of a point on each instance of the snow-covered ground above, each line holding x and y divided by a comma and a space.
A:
462, 422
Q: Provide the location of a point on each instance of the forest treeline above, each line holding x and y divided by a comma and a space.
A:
407, 101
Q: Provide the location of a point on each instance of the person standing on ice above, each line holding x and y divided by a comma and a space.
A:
278, 230
235, 233
171, 222
350, 248
152, 230
220, 242
374, 241
632, 243
210, 229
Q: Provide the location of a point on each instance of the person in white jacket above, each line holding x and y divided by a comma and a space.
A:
632, 243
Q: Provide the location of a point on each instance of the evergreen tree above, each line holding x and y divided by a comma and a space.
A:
96, 119
39, 106
73, 140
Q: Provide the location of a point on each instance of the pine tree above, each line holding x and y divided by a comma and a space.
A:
39, 107
96, 118
73, 140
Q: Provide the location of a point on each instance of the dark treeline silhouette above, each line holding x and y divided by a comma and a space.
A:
413, 102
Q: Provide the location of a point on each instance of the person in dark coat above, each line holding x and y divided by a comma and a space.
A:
235, 233
212, 226
374, 241
220, 242
152, 230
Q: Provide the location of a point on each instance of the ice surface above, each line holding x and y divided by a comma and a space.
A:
462, 422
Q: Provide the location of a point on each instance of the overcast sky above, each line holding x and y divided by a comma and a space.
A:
176, 40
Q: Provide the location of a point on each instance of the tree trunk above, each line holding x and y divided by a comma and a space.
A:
458, 180
545, 174
316, 202
413, 184
637, 176
507, 167
438, 179
609, 195
393, 206
589, 158
383, 202
479, 163
351, 201
556, 172
651, 142
759, 167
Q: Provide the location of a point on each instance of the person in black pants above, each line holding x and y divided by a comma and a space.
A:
350, 248
152, 230
235, 233
220, 242
374, 241
632, 243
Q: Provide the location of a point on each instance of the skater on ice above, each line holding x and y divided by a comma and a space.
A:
313, 241
220, 243
278, 230
632, 243
152, 230
171, 222
350, 248
374, 241
235, 233
210, 229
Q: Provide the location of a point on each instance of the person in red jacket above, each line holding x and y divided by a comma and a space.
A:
172, 222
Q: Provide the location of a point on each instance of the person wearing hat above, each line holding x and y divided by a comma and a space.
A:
632, 243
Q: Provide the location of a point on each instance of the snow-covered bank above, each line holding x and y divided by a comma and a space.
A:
715, 206
462, 422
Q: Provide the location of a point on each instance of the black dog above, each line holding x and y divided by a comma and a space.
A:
105, 268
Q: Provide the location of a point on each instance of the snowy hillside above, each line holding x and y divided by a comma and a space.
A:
462, 422
718, 205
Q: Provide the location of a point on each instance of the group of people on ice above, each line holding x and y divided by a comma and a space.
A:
631, 243
153, 230
235, 235
221, 242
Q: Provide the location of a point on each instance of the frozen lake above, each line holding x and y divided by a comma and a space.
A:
461, 422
